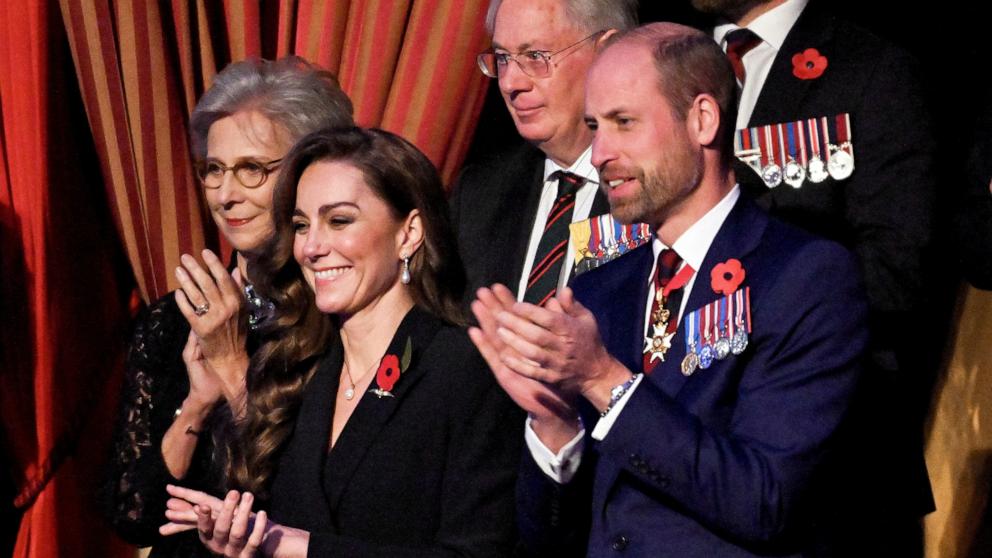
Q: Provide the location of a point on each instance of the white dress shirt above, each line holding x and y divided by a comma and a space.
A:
772, 27
583, 205
692, 247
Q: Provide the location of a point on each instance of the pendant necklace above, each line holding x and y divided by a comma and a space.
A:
349, 393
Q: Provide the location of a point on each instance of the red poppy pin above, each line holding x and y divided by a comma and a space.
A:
390, 370
727, 276
808, 64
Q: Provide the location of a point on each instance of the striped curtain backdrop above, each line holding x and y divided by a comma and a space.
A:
408, 66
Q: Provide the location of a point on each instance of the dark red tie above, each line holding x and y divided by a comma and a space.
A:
740, 42
542, 283
668, 264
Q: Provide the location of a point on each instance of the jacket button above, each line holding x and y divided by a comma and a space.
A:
620, 543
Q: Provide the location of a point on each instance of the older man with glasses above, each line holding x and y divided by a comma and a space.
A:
513, 209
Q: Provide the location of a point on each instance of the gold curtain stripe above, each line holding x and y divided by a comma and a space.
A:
208, 60
102, 96
162, 146
181, 23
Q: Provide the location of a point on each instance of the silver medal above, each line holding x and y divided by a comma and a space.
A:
794, 174
772, 175
722, 348
841, 164
817, 169
739, 341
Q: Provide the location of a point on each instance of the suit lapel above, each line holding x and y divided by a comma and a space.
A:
300, 469
782, 92
600, 204
373, 412
737, 237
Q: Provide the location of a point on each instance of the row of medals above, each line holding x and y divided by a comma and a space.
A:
839, 166
702, 358
720, 349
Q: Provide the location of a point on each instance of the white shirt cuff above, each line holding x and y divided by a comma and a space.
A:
604, 424
561, 467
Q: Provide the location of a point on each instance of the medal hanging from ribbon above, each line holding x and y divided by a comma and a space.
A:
794, 152
841, 163
663, 324
717, 330
794, 172
601, 239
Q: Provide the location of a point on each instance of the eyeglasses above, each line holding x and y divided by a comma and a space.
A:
250, 173
534, 63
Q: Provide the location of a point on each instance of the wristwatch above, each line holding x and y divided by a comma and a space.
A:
618, 392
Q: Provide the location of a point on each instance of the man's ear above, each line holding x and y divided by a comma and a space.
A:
604, 38
411, 234
703, 119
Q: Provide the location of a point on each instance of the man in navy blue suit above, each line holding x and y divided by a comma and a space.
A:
684, 400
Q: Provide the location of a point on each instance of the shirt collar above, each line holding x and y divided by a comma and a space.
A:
695, 242
772, 26
581, 167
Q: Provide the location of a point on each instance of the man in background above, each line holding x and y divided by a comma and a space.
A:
834, 136
512, 210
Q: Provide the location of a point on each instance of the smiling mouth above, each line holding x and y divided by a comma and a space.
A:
330, 274
237, 222
526, 110
617, 181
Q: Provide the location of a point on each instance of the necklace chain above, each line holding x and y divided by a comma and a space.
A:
349, 393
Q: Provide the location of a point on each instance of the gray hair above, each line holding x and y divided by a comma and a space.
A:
291, 92
590, 15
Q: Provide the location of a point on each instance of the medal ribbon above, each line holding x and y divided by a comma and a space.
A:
594, 238
690, 331
801, 134
765, 140
793, 144
826, 133
779, 145
814, 137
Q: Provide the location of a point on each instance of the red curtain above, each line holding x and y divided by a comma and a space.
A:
63, 292
97, 195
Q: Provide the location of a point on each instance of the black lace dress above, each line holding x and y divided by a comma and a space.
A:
155, 386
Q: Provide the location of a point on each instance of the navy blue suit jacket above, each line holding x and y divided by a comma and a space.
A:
733, 460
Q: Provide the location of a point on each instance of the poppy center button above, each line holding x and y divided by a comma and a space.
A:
620, 542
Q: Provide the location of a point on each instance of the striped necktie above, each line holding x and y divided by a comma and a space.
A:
542, 283
740, 42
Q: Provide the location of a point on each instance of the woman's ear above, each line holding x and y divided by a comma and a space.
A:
411, 234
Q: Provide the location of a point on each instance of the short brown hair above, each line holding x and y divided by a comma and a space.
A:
690, 63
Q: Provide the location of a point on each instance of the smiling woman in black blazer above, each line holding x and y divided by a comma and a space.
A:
385, 435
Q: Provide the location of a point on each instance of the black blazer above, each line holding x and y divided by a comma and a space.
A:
884, 212
493, 206
429, 472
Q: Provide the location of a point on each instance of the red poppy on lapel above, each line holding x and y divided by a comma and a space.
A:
726, 277
808, 64
390, 370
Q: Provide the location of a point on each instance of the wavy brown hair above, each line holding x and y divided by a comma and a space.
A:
405, 180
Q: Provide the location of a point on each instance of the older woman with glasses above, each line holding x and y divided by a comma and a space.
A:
377, 429
188, 358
